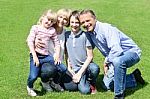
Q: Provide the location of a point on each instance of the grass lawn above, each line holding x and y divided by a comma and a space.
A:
17, 17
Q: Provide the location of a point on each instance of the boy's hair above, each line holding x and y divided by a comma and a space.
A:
66, 13
76, 14
88, 11
50, 15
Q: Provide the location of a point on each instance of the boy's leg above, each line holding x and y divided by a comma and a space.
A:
84, 85
68, 83
93, 72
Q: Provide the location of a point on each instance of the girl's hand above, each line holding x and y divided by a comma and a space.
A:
36, 61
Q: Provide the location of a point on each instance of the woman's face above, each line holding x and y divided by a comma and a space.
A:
74, 24
62, 21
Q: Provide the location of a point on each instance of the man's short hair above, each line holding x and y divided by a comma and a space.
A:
88, 11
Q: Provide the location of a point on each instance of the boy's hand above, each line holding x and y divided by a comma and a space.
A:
76, 77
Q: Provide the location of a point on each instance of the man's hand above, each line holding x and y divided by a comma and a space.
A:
105, 68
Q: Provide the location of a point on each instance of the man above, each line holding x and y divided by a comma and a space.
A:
119, 50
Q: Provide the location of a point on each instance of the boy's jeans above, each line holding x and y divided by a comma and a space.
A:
88, 78
116, 76
46, 70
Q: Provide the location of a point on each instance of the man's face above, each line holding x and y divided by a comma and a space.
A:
88, 21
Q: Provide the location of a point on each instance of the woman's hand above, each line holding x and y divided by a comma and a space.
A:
39, 43
57, 59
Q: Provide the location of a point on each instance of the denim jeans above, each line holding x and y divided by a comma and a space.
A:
46, 70
88, 78
116, 77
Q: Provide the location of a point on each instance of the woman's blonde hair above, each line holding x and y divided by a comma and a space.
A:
50, 15
66, 13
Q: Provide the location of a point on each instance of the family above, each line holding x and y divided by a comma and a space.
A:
50, 43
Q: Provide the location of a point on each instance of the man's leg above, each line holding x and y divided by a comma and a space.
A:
120, 64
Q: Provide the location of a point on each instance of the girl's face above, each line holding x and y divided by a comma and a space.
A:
46, 22
62, 21
74, 24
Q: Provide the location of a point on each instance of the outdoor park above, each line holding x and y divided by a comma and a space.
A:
17, 16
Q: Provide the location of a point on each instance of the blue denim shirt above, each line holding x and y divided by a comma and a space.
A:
111, 42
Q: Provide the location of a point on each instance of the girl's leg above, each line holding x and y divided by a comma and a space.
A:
34, 73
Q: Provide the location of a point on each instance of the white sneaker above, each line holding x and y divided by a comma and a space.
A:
31, 92
46, 86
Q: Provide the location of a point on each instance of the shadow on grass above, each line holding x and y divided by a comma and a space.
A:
128, 92
99, 83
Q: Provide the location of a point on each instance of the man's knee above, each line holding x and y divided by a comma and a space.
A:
118, 63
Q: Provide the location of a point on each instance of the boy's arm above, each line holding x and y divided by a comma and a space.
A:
78, 75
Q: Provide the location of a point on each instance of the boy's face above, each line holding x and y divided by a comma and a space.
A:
46, 22
62, 21
88, 21
74, 24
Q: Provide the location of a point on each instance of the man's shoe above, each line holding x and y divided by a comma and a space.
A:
121, 96
31, 92
138, 77
57, 87
93, 89
46, 87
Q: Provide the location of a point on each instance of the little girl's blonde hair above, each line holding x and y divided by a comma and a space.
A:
50, 15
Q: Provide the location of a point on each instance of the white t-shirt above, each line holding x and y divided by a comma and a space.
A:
61, 38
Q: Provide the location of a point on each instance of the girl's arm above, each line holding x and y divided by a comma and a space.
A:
78, 75
31, 43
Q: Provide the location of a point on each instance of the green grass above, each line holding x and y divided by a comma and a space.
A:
17, 16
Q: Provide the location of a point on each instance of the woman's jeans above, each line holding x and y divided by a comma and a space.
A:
89, 78
116, 77
46, 70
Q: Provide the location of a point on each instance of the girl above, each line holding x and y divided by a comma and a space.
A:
39, 57
62, 22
